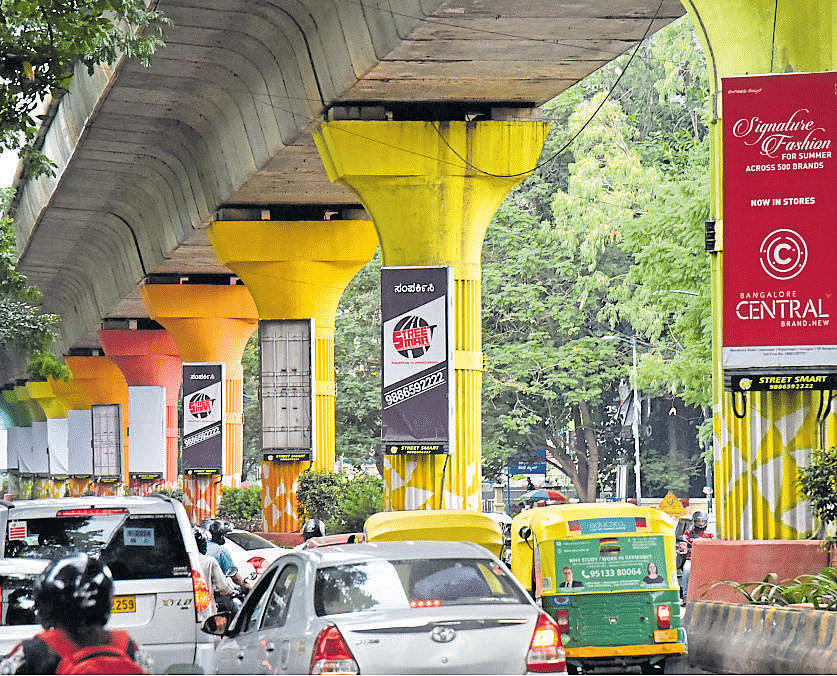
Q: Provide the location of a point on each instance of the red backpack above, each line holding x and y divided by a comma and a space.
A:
111, 658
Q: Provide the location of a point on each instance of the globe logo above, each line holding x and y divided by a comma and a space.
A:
411, 336
200, 405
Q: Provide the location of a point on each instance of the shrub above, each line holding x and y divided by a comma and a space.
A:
342, 501
241, 504
819, 590
818, 484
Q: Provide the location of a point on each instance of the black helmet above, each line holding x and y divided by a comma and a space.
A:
75, 591
217, 530
700, 520
313, 528
201, 538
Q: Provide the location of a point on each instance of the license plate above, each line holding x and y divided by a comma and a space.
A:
124, 604
665, 636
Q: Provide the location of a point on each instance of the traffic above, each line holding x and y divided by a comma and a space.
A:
590, 587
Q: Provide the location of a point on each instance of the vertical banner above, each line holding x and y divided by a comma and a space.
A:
80, 442
288, 389
417, 373
779, 231
203, 418
147, 420
107, 442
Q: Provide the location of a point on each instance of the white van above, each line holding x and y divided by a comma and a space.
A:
160, 596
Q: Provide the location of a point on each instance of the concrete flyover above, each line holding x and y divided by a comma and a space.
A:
222, 124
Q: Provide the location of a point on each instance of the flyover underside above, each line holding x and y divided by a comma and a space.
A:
224, 117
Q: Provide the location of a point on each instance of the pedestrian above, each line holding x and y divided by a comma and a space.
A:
73, 600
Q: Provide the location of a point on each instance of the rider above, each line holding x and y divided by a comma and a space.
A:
215, 549
73, 599
313, 528
219, 584
700, 520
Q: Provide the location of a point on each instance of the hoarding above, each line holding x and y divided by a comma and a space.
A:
147, 420
779, 303
107, 442
203, 418
417, 373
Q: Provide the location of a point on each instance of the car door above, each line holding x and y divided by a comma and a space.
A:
275, 643
238, 652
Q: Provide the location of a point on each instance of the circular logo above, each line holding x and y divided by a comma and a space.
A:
783, 254
200, 405
411, 336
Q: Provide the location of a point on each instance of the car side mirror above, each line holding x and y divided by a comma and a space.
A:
217, 625
525, 532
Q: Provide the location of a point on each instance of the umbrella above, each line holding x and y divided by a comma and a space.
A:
543, 495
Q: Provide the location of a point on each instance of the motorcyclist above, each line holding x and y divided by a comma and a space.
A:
223, 591
313, 528
700, 520
73, 600
215, 548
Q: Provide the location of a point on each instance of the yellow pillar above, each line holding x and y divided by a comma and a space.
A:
755, 37
431, 189
297, 270
74, 399
53, 409
103, 383
209, 323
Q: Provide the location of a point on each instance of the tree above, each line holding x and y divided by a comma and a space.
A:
41, 41
357, 367
251, 455
568, 263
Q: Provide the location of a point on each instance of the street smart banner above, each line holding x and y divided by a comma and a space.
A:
417, 346
203, 418
780, 175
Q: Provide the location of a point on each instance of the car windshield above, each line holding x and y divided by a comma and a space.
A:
412, 583
135, 547
249, 541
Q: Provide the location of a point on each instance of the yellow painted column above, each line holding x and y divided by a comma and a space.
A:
431, 189
756, 457
40, 480
209, 323
54, 410
74, 399
103, 383
22, 418
297, 270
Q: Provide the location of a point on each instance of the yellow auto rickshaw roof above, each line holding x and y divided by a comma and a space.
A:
556, 521
436, 524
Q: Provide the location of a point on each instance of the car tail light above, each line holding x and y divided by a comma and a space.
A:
562, 618
203, 597
546, 652
258, 563
663, 617
331, 654
428, 603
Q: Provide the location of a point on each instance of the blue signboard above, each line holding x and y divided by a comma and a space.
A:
528, 468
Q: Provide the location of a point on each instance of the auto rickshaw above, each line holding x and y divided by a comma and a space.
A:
436, 524
607, 574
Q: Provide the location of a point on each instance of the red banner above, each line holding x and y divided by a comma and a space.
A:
780, 180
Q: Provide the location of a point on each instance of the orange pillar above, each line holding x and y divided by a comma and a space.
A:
298, 270
103, 382
209, 323
150, 358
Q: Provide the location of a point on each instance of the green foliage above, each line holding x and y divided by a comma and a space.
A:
819, 590
41, 41
342, 501
818, 484
241, 503
251, 411
357, 366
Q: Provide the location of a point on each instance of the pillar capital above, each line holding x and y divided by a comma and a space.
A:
431, 187
71, 395
295, 269
47, 399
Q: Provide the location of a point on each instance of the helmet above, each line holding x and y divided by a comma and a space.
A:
74, 591
313, 528
201, 538
217, 530
700, 520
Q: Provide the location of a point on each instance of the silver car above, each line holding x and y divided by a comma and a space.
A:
388, 608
